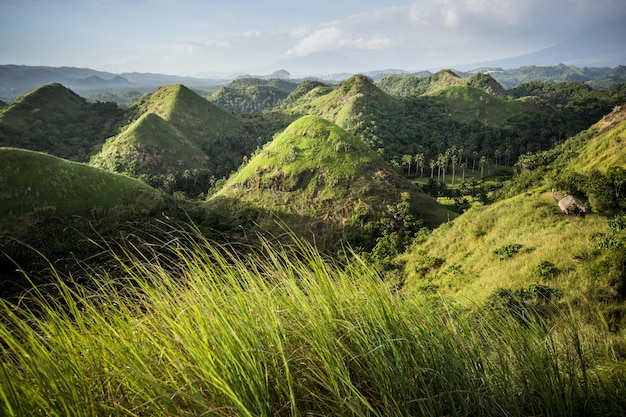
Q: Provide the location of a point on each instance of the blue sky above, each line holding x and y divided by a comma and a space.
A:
194, 37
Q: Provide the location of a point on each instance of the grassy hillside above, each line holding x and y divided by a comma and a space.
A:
321, 180
354, 102
512, 244
53, 211
523, 246
411, 86
31, 182
177, 132
55, 120
605, 148
150, 145
466, 104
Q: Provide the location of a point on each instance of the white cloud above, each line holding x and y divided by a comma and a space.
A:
331, 38
319, 40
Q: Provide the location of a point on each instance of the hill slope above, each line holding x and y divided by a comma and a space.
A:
33, 181
177, 130
523, 249
55, 120
322, 181
605, 148
513, 244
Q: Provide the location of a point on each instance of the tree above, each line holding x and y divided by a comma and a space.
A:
498, 153
454, 162
407, 160
419, 161
482, 162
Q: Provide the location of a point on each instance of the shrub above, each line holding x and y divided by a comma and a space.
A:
508, 251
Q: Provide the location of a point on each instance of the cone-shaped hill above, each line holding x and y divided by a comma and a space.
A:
322, 181
354, 102
55, 120
176, 130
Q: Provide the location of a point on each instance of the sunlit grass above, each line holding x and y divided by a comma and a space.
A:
202, 329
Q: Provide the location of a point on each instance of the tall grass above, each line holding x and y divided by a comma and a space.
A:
201, 329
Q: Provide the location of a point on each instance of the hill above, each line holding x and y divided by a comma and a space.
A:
55, 120
411, 86
53, 211
605, 148
252, 95
176, 130
322, 181
32, 182
523, 249
514, 245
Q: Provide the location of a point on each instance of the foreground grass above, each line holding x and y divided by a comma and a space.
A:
284, 331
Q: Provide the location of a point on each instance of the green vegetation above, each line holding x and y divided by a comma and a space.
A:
286, 331
31, 181
57, 121
252, 95
341, 286
179, 141
321, 180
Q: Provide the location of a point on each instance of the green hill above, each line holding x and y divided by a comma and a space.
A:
322, 181
252, 95
254, 99
523, 249
150, 145
31, 182
55, 120
412, 86
176, 130
349, 104
513, 244
605, 148
466, 103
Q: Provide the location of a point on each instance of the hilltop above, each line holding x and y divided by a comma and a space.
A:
252, 95
321, 180
55, 120
177, 132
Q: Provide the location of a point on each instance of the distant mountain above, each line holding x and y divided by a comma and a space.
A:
16, 80
601, 46
324, 183
55, 120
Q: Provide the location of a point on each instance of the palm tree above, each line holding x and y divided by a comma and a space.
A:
407, 160
482, 162
455, 160
419, 161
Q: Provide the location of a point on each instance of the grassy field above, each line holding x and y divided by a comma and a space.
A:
206, 330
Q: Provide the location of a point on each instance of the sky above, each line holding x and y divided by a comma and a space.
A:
222, 37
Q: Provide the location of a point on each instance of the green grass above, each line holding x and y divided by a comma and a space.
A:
322, 181
31, 180
463, 259
202, 329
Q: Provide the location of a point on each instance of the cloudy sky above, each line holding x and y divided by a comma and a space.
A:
202, 37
